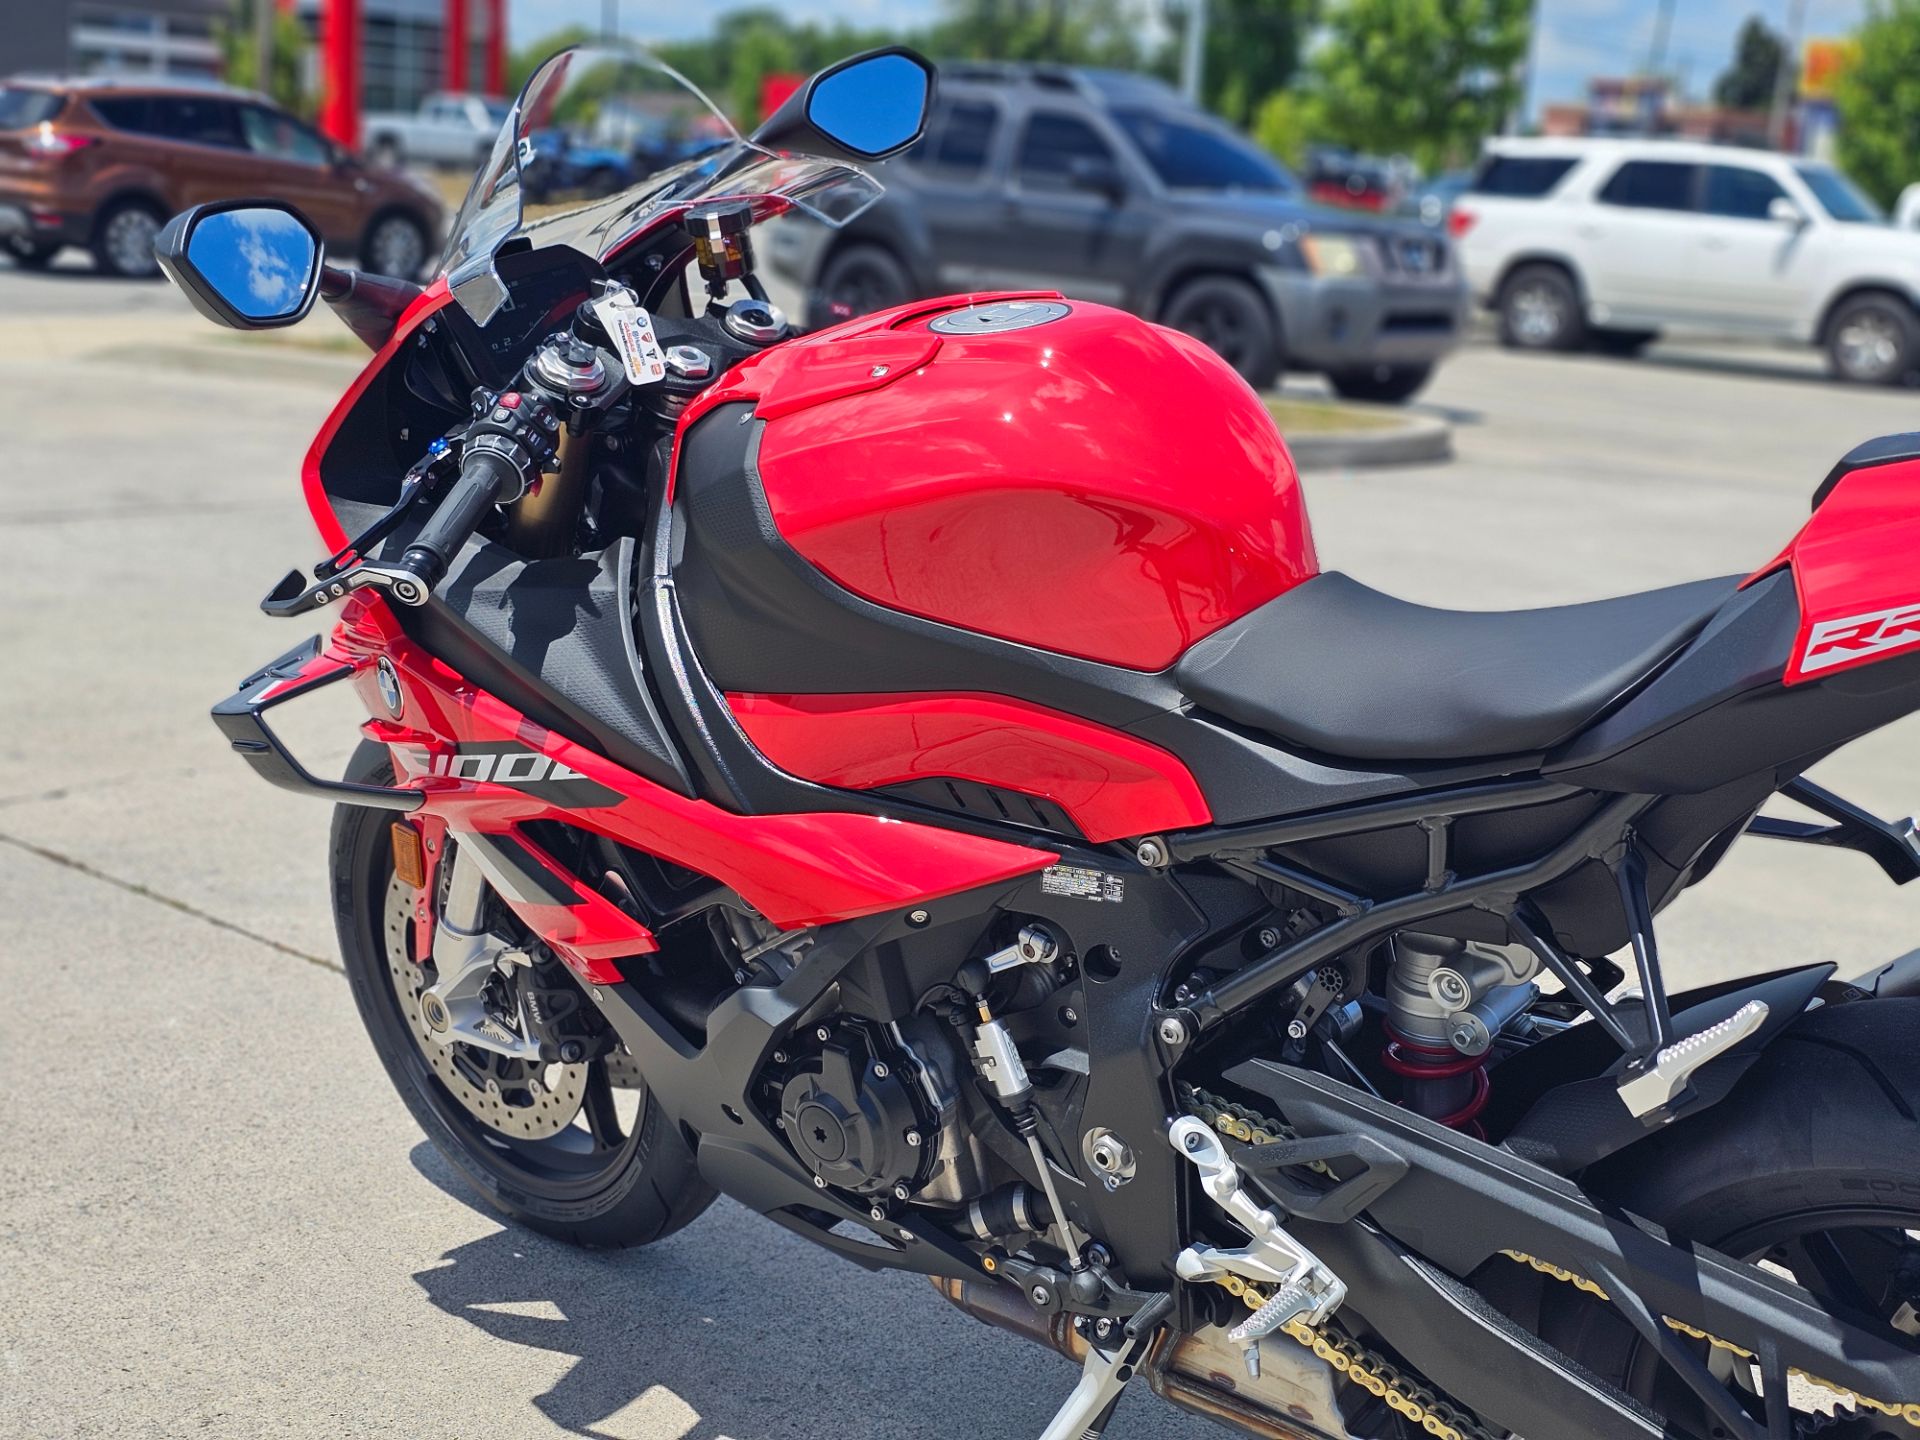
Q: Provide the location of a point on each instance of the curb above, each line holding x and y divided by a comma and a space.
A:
1417, 440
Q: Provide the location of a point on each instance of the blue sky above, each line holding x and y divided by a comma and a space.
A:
1577, 37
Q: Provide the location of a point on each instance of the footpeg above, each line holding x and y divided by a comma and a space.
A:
1648, 1091
1281, 1310
1304, 1287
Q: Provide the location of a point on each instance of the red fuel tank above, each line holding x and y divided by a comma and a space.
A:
1047, 471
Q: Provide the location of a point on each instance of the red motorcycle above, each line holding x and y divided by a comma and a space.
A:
916, 779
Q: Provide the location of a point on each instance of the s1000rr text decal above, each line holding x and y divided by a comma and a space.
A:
1834, 642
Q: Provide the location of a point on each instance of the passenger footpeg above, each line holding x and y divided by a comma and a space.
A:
1651, 1090
1303, 1288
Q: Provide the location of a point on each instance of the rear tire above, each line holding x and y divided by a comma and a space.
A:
858, 281
1231, 318
396, 244
386, 153
123, 239
1540, 309
1871, 340
1381, 384
645, 1191
1815, 1153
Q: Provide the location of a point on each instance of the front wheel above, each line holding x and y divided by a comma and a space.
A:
1810, 1167
860, 280
1231, 319
29, 254
577, 1151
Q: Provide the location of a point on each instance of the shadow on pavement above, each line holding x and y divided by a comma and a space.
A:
726, 1330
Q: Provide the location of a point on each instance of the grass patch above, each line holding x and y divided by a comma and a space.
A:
1315, 417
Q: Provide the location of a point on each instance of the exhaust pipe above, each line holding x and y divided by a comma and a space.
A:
1293, 1398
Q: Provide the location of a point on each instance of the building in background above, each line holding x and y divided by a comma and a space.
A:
172, 38
1650, 105
403, 52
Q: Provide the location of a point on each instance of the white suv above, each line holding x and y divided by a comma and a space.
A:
1608, 242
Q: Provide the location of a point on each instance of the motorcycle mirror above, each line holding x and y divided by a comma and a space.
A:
245, 264
866, 108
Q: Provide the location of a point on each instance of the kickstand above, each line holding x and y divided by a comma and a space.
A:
1104, 1377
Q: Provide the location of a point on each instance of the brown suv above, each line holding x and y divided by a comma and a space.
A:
103, 164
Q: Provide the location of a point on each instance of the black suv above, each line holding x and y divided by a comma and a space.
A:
1111, 188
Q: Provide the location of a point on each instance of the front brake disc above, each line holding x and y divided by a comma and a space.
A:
520, 1100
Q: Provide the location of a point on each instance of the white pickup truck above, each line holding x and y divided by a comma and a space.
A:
448, 129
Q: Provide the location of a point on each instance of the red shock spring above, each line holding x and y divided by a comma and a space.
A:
1428, 1068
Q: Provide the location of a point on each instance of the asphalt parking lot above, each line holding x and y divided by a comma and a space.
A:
215, 1217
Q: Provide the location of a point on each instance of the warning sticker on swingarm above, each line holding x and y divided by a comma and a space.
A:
1076, 882
631, 329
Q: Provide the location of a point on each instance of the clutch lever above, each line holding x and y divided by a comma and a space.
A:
292, 596
417, 479
344, 571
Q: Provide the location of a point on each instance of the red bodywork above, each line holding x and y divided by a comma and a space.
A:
1013, 483
796, 870
1854, 570
1111, 784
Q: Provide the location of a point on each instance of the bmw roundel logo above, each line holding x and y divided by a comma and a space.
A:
389, 681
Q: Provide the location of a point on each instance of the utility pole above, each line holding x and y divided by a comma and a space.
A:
1783, 77
263, 16
1662, 28
1193, 56
609, 19
1523, 84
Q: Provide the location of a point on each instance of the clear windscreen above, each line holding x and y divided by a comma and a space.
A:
604, 142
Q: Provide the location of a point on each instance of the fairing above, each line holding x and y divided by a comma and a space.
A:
1855, 574
1110, 784
1094, 485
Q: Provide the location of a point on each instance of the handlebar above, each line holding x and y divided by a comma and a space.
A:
506, 449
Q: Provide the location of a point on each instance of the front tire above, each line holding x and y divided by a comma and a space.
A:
585, 1189
1871, 340
858, 281
1230, 318
1540, 309
1812, 1165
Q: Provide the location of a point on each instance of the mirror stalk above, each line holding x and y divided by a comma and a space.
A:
368, 305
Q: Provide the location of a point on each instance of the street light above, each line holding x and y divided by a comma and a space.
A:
1193, 53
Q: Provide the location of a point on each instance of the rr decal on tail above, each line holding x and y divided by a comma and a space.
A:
1834, 642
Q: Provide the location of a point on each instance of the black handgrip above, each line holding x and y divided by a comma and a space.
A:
486, 474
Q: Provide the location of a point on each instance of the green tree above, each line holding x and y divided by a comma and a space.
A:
1253, 50
1878, 97
1063, 32
1747, 83
1426, 78
286, 68
1286, 123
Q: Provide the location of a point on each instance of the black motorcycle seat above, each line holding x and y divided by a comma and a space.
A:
1335, 667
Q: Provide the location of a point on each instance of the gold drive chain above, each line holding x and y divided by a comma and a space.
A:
1419, 1403
1378, 1376
1909, 1410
